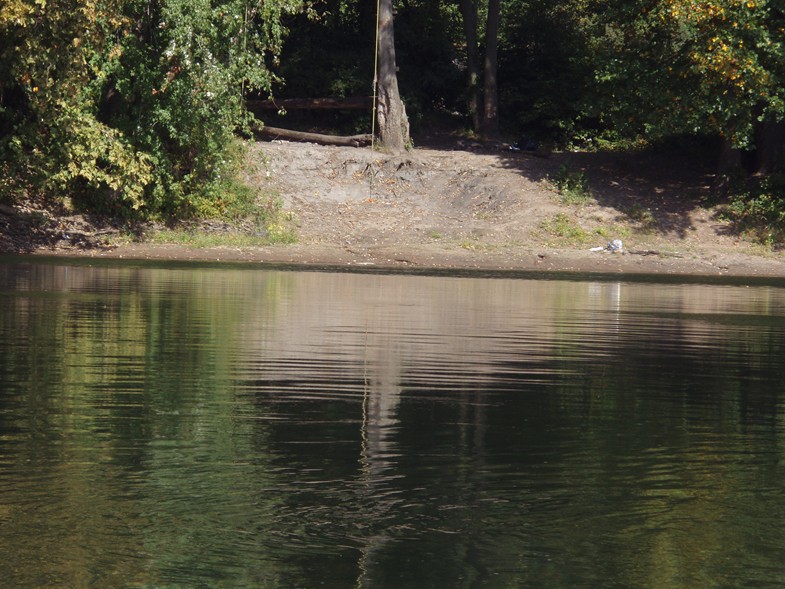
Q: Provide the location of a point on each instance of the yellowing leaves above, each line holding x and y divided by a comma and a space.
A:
15, 13
724, 37
704, 12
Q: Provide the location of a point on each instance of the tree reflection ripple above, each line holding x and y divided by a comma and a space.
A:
242, 427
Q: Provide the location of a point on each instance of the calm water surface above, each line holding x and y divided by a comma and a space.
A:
232, 427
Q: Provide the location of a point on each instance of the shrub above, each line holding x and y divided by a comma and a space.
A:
573, 185
759, 210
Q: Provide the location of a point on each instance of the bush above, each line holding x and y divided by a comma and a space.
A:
573, 185
758, 210
147, 97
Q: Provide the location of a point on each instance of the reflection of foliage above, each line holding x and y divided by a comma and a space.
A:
120, 394
183, 441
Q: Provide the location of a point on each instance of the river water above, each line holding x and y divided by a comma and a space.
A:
240, 426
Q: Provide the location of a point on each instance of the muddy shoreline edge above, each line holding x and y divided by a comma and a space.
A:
435, 260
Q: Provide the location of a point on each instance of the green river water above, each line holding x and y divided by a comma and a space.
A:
253, 427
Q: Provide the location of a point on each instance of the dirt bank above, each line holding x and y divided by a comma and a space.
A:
474, 207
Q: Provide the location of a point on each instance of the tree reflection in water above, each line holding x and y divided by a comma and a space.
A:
231, 427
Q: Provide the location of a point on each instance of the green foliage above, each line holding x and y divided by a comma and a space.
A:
759, 209
545, 69
234, 201
572, 184
701, 66
51, 140
130, 105
566, 229
642, 216
179, 89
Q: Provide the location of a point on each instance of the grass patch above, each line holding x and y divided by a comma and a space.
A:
276, 233
202, 239
613, 232
572, 185
270, 227
476, 245
566, 229
643, 217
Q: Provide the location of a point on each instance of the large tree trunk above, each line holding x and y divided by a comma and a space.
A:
469, 13
490, 122
390, 112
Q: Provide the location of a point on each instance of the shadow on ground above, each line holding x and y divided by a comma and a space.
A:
25, 230
656, 189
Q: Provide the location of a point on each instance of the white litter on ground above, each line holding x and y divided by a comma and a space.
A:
613, 246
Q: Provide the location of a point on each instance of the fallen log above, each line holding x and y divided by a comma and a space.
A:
353, 103
343, 140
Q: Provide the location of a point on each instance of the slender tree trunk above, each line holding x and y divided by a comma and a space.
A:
730, 158
390, 112
728, 163
490, 119
469, 13
769, 145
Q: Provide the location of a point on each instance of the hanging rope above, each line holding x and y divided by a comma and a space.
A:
373, 103
375, 76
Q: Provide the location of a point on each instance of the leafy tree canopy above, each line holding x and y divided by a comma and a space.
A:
708, 66
132, 102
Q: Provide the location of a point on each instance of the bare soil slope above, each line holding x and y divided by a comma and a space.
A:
471, 206
496, 208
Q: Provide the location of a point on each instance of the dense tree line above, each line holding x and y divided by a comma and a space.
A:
133, 103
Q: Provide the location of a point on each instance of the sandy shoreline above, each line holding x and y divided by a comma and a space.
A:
438, 259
